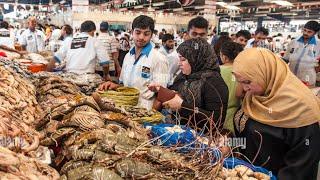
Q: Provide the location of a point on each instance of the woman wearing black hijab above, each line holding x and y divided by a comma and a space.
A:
201, 91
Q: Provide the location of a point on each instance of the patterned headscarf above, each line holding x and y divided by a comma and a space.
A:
202, 60
199, 54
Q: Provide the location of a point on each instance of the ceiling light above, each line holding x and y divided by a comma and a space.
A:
282, 3
221, 3
177, 9
231, 7
138, 7
158, 4
129, 1
225, 5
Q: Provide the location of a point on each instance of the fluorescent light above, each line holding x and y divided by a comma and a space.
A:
158, 4
231, 7
129, 1
225, 5
282, 3
138, 7
221, 3
199, 7
178, 9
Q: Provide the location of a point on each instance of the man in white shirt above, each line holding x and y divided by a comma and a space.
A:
171, 54
260, 37
82, 52
198, 27
143, 64
65, 39
66, 34
302, 54
32, 40
6, 39
112, 45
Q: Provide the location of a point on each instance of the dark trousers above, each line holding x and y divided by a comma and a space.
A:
293, 153
111, 73
122, 54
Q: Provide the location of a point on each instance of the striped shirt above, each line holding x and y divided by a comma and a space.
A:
112, 46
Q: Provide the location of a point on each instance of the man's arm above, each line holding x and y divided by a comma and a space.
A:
106, 75
115, 55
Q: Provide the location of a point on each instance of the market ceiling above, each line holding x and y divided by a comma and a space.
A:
248, 9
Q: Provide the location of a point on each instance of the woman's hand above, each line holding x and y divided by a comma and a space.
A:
155, 87
108, 85
175, 103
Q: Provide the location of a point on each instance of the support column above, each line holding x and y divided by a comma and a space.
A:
210, 12
260, 20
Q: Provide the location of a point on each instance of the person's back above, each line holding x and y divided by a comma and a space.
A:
82, 45
82, 52
229, 50
110, 43
5, 38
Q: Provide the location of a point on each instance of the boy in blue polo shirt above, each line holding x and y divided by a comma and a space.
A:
143, 64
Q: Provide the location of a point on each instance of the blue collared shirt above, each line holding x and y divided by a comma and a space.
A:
303, 58
312, 40
150, 66
145, 51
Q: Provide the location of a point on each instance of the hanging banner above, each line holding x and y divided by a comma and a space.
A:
80, 6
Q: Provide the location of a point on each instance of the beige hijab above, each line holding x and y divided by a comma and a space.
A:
287, 102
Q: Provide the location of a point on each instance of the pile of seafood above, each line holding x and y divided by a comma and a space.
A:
15, 66
18, 166
89, 137
94, 140
86, 83
53, 91
19, 111
19, 141
36, 58
141, 115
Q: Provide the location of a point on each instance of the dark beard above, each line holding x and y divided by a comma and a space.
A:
168, 48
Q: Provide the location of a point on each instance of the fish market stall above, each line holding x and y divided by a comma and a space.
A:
58, 127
